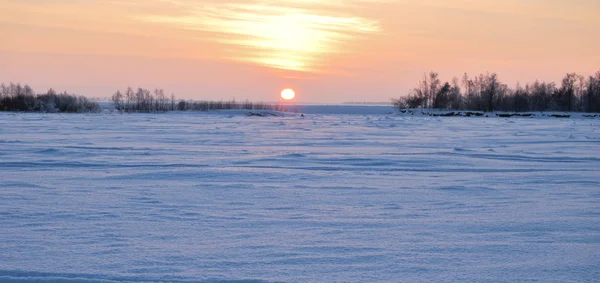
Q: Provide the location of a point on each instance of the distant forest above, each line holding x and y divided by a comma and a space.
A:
17, 97
575, 93
144, 100
22, 98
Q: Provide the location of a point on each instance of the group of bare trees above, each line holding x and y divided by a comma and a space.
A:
17, 97
144, 100
483, 93
222, 105
486, 93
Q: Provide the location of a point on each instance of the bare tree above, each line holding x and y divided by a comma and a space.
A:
117, 99
129, 98
565, 97
455, 96
592, 94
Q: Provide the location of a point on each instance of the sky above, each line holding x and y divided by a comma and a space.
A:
327, 51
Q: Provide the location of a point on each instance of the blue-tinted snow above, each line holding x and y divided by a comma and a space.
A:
205, 197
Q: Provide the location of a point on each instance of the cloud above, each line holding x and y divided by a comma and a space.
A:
294, 35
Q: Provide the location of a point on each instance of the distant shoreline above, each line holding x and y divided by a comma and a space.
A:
364, 110
498, 114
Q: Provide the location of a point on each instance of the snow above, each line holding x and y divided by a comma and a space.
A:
187, 197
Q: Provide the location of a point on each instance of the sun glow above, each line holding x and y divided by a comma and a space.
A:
293, 35
288, 94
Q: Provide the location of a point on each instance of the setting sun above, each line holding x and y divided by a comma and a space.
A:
288, 94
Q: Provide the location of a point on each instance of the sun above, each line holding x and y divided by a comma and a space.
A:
288, 94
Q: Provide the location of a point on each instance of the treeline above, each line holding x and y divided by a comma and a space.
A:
17, 97
144, 100
204, 105
486, 93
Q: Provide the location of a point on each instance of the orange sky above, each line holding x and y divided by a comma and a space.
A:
328, 51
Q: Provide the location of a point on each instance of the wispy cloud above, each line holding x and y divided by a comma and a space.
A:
294, 35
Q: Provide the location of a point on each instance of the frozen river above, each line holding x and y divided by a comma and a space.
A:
354, 198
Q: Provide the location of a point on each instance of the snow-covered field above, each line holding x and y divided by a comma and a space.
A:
347, 198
